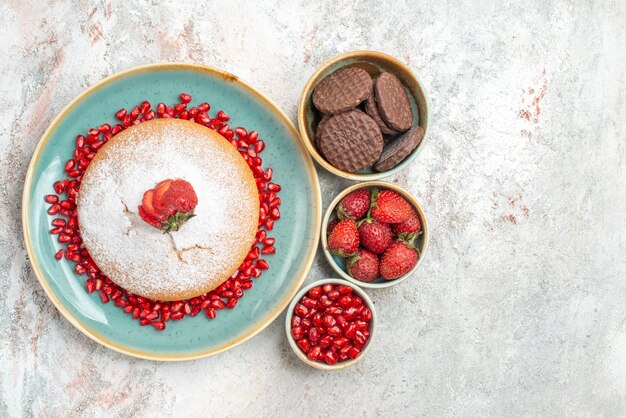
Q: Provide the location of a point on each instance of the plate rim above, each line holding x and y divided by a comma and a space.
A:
226, 77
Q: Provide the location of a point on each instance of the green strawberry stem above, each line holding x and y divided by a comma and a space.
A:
373, 198
176, 221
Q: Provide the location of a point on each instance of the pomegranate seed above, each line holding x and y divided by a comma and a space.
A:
301, 310
295, 321
59, 254
361, 325
326, 341
297, 333
144, 322
221, 115
262, 264
351, 330
344, 290
252, 137
268, 250
334, 331
304, 345
144, 107
331, 357
159, 325
359, 338
90, 286
334, 310
218, 304
341, 321
351, 313
346, 347
272, 187
210, 313
340, 342
121, 114
54, 209
366, 315
51, 198
104, 297
313, 334
185, 98
329, 321
354, 352
345, 301
314, 353
308, 302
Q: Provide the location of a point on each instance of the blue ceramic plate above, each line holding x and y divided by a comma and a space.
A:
297, 232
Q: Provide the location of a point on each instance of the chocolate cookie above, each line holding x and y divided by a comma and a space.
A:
397, 150
372, 110
393, 103
351, 141
342, 90
318, 131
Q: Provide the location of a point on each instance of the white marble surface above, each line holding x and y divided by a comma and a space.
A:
519, 308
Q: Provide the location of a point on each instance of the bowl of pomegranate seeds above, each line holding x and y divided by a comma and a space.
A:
330, 324
374, 234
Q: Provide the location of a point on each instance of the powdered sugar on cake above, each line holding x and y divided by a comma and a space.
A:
207, 248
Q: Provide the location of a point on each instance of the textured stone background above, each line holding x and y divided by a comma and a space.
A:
519, 308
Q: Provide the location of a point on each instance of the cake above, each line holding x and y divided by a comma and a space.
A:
160, 260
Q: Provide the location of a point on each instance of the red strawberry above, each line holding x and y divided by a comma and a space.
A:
331, 225
375, 236
364, 266
149, 218
344, 239
398, 260
408, 229
170, 204
389, 207
179, 197
159, 192
354, 205
148, 207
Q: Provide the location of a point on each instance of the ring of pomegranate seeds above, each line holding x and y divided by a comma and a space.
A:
62, 205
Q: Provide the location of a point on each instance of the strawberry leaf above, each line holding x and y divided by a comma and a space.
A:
176, 221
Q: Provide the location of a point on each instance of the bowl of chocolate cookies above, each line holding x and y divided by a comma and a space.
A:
363, 115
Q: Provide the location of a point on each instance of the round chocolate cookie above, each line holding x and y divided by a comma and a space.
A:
342, 90
372, 110
397, 150
351, 141
393, 103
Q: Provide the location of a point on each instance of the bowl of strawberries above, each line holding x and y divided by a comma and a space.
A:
374, 234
